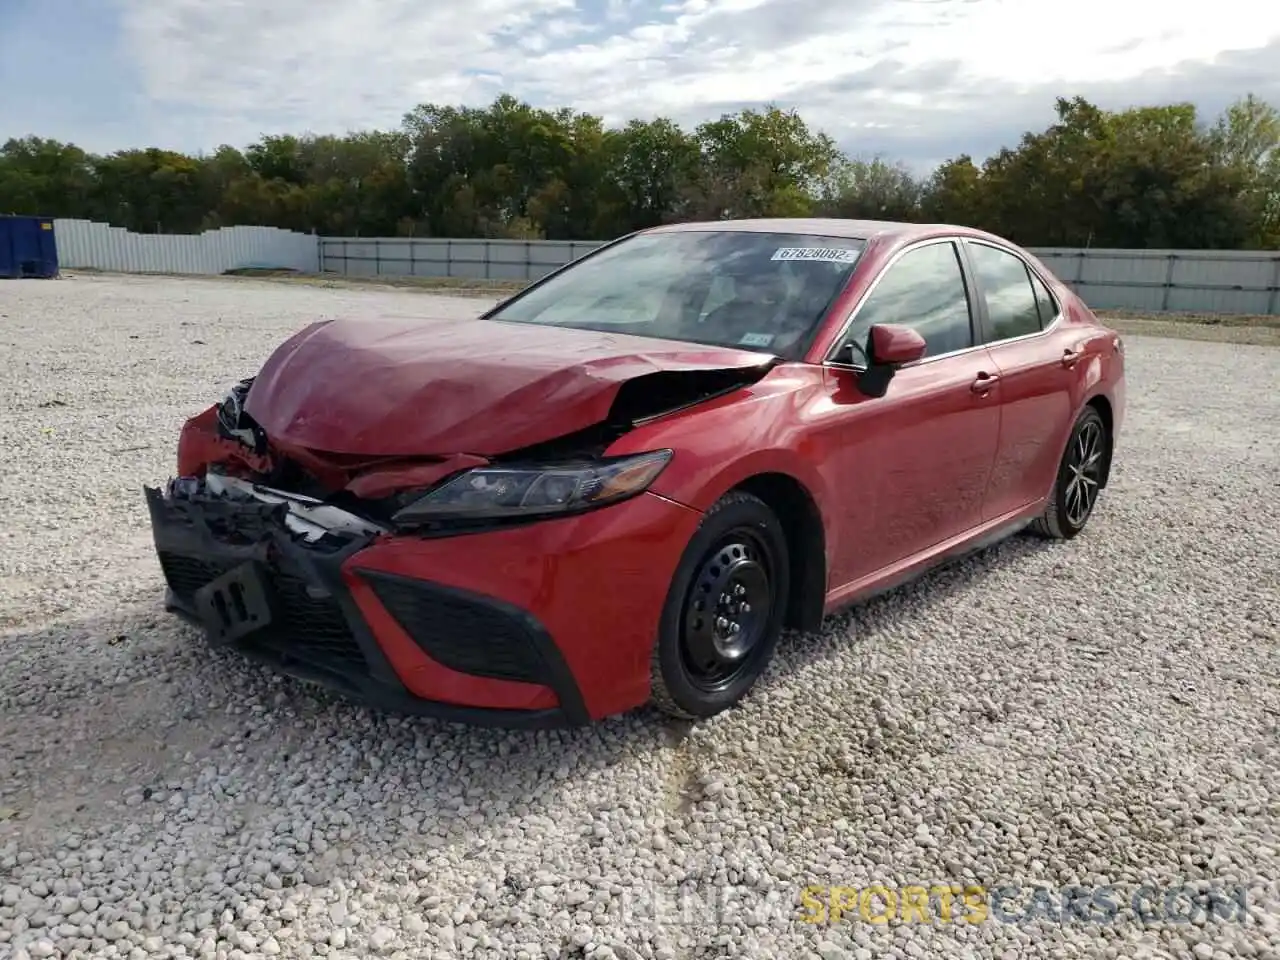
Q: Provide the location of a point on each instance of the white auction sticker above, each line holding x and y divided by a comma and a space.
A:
824, 254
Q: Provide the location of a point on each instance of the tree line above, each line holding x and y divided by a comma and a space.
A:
1148, 177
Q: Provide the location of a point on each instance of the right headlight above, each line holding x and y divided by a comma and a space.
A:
497, 492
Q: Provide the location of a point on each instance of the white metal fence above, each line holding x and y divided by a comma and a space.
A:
1153, 281
1185, 281
100, 246
441, 257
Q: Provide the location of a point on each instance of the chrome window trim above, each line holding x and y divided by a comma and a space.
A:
1051, 326
828, 360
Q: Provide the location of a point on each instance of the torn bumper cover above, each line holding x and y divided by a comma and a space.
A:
271, 574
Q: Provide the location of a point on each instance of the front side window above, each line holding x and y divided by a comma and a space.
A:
730, 288
924, 290
1012, 310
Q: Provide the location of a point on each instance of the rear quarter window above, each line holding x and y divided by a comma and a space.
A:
1046, 303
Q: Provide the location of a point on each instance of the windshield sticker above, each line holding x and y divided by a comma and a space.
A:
756, 339
823, 254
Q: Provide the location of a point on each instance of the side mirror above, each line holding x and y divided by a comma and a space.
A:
889, 346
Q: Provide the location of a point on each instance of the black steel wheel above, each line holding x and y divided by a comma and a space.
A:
1081, 475
724, 611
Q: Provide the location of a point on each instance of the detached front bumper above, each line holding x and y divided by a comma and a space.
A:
507, 627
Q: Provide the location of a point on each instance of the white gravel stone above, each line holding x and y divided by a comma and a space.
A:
1099, 712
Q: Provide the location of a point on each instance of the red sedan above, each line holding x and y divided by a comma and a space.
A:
621, 484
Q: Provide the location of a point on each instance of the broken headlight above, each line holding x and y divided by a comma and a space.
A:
543, 490
234, 423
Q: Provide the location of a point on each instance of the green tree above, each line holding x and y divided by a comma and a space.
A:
41, 177
1148, 176
645, 169
1048, 190
458, 179
151, 191
356, 185
758, 164
956, 193
1247, 138
873, 189
278, 158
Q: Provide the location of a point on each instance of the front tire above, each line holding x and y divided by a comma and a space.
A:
724, 612
1079, 481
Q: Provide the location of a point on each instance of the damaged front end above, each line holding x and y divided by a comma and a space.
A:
439, 493
227, 438
259, 566
260, 570
267, 572
257, 538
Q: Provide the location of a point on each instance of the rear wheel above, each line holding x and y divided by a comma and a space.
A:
723, 614
1079, 482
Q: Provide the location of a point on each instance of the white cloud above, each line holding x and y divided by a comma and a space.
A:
1086, 40
922, 76
325, 63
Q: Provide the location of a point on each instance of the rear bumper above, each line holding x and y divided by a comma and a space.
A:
503, 628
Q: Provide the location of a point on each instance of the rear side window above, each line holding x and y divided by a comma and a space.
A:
1048, 307
1012, 307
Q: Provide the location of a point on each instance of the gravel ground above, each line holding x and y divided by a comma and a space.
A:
1100, 713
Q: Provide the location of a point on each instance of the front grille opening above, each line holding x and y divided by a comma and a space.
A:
186, 575
309, 629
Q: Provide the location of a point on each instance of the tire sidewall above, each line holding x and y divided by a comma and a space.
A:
1069, 530
741, 511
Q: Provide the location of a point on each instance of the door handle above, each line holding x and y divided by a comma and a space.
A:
984, 383
1071, 357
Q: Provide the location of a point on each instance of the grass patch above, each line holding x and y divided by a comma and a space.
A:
1264, 335
1202, 319
260, 272
453, 286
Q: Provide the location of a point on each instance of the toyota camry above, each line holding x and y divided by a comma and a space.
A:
620, 485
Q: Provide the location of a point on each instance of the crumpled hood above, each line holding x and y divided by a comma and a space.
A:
413, 387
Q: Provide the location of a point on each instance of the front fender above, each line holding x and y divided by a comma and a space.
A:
718, 445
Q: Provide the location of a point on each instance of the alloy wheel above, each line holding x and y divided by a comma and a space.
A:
1084, 471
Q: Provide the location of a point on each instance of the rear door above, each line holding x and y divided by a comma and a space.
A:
1020, 322
911, 467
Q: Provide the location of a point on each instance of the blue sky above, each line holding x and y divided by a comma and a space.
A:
916, 80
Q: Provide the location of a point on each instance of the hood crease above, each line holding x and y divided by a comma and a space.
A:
401, 386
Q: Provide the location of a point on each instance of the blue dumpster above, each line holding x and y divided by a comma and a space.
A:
27, 247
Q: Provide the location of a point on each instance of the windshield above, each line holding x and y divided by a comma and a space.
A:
729, 288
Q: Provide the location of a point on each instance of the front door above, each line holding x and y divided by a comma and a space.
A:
911, 468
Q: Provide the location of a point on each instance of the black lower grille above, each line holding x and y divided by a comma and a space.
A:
311, 627
304, 627
462, 634
186, 575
